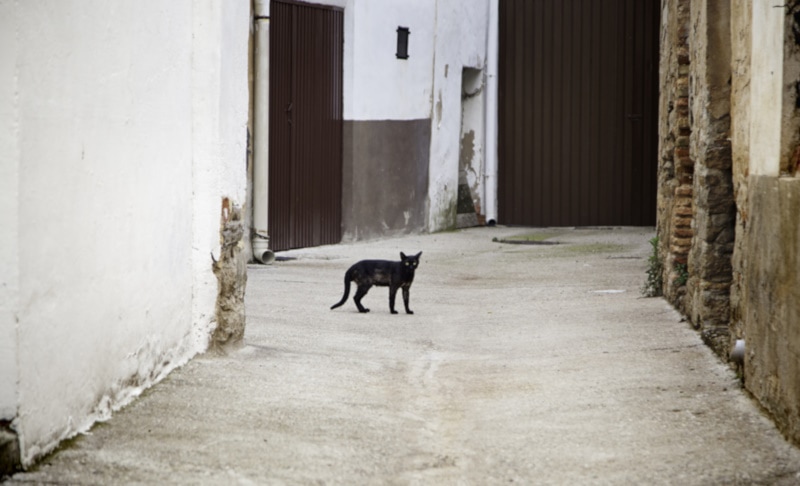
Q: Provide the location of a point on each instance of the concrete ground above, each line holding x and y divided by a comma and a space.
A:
532, 364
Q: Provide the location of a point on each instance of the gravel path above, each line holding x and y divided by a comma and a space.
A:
523, 363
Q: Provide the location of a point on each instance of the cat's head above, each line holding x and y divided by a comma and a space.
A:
410, 262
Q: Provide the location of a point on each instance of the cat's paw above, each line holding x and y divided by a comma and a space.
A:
364, 310
394, 312
409, 312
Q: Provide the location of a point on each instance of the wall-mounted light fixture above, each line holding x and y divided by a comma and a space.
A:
402, 42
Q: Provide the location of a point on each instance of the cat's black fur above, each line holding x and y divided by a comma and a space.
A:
383, 273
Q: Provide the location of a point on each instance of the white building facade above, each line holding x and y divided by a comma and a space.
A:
124, 127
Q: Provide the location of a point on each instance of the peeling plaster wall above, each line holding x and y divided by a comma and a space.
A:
128, 126
461, 35
219, 137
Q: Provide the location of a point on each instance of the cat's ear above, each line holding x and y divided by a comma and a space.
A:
419, 254
403, 256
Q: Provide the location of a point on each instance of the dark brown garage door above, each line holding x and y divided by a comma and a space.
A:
578, 93
305, 137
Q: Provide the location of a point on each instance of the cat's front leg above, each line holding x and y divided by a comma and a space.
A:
392, 295
406, 296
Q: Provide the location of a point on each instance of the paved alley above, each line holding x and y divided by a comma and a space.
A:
523, 364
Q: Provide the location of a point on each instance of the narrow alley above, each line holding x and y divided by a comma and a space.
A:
523, 363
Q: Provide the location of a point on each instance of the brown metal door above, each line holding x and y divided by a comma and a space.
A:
305, 138
578, 108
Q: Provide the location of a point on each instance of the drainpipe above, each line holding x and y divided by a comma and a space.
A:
490, 175
261, 251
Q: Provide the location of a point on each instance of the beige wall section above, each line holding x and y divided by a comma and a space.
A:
772, 313
767, 259
766, 100
741, 17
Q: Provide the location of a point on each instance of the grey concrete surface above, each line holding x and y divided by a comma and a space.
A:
523, 364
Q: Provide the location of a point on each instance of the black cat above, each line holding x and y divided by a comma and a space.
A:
382, 273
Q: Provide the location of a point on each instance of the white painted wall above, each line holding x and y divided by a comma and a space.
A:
9, 191
384, 87
130, 128
766, 89
377, 85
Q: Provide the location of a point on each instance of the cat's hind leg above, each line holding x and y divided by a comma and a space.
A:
360, 293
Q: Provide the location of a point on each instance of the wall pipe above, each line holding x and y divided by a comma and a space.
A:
490, 167
261, 251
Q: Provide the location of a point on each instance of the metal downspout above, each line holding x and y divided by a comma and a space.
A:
490, 168
261, 251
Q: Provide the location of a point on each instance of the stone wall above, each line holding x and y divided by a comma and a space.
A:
696, 205
729, 191
709, 268
676, 168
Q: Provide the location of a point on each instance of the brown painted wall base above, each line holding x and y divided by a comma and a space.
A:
385, 177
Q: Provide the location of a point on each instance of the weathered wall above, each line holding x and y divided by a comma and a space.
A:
772, 294
127, 127
460, 41
676, 167
741, 40
742, 61
386, 152
708, 286
768, 260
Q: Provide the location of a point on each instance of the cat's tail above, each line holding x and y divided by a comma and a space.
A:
347, 277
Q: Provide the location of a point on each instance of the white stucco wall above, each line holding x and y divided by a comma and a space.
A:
383, 86
377, 85
766, 89
9, 189
131, 127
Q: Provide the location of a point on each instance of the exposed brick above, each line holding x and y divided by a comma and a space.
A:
685, 191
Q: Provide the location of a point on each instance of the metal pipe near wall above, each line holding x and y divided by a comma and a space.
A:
490, 167
261, 251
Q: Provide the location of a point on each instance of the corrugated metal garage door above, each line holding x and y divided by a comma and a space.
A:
305, 138
578, 94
